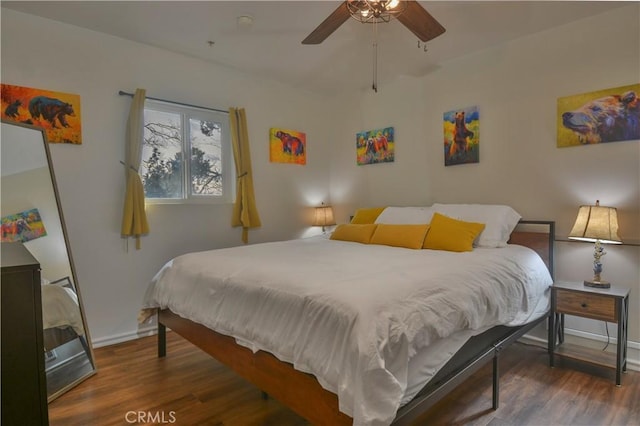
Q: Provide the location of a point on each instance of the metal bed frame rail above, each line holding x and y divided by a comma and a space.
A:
425, 400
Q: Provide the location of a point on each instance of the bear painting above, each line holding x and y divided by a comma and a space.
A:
375, 146
611, 115
51, 109
55, 112
461, 136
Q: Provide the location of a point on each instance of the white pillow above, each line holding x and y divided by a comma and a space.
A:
405, 215
499, 220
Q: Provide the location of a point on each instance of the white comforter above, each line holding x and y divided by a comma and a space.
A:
60, 308
351, 314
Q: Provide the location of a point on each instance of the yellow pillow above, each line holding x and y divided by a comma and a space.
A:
451, 234
358, 233
363, 216
407, 236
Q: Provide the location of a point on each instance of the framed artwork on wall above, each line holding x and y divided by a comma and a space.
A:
23, 226
462, 136
287, 146
56, 112
609, 115
375, 146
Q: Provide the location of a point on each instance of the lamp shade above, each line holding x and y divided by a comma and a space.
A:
324, 216
596, 223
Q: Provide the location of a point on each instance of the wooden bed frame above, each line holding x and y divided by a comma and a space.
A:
302, 393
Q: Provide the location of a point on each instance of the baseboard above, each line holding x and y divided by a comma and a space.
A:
592, 340
145, 331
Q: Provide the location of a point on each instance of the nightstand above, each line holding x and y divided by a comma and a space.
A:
607, 304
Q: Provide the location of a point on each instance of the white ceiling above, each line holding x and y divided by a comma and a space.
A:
272, 47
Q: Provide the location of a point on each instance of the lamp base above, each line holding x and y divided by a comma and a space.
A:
597, 284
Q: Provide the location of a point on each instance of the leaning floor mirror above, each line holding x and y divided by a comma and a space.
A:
32, 214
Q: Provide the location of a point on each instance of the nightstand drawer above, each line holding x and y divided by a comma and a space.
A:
586, 305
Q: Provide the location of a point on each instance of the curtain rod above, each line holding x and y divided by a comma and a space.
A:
121, 93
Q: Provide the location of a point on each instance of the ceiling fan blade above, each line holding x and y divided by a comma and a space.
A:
420, 22
329, 25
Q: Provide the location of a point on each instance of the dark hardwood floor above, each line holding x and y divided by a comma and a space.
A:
188, 387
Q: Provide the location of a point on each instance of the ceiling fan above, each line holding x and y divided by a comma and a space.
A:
409, 12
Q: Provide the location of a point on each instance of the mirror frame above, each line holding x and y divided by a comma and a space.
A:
74, 275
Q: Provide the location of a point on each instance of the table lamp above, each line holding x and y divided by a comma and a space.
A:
597, 224
323, 216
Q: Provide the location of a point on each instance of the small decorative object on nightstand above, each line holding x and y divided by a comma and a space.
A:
597, 224
324, 216
611, 305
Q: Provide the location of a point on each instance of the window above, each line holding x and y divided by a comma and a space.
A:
186, 155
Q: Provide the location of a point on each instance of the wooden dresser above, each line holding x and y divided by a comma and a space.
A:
24, 387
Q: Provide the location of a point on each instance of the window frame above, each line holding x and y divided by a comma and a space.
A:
228, 166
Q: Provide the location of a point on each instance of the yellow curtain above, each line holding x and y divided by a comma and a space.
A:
134, 217
245, 212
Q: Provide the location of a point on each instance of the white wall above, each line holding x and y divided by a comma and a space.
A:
516, 87
49, 55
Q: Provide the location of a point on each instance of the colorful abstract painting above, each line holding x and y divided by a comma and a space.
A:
23, 226
462, 136
610, 115
55, 112
375, 146
287, 146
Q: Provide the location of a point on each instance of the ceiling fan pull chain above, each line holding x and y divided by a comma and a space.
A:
375, 57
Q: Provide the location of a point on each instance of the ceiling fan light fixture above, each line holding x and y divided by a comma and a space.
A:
374, 11
392, 4
416, 19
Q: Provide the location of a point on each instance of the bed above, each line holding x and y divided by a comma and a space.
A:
61, 317
316, 324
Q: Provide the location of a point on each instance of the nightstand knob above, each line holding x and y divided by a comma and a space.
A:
584, 305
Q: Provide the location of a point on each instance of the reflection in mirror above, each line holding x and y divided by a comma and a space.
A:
31, 213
